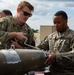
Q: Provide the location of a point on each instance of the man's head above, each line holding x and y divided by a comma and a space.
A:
5, 12
60, 21
24, 11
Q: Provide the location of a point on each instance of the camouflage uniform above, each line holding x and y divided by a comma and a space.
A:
9, 24
62, 44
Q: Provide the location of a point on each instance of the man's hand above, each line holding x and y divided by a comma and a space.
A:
20, 36
50, 59
15, 43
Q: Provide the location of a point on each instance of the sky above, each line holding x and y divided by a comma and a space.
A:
44, 11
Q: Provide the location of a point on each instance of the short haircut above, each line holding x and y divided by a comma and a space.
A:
25, 3
7, 12
62, 13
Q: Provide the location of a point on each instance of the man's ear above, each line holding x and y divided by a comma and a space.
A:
18, 10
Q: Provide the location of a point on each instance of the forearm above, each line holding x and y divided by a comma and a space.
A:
4, 36
12, 35
44, 44
65, 59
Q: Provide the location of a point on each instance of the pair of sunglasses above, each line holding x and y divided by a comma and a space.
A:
26, 13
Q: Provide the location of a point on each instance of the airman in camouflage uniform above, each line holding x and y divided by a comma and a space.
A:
14, 30
60, 46
5, 12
